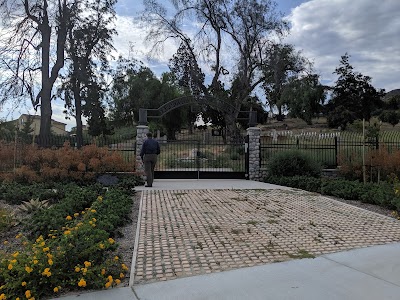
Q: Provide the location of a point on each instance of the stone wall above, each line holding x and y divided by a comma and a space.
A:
254, 153
141, 131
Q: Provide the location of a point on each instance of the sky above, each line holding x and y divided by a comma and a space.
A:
323, 30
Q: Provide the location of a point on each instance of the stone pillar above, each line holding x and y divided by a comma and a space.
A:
141, 131
254, 134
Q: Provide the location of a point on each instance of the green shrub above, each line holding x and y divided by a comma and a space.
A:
311, 184
342, 188
293, 163
6, 219
54, 218
383, 194
79, 254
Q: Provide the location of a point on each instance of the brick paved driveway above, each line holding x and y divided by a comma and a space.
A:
193, 232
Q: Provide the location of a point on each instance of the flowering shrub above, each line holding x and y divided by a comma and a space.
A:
78, 254
67, 163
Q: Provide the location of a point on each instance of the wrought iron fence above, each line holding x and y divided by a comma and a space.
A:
328, 149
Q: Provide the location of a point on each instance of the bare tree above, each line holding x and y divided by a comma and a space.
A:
230, 44
32, 48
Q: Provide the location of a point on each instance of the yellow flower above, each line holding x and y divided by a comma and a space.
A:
66, 232
108, 284
49, 255
68, 218
116, 258
35, 261
28, 294
15, 254
121, 275
94, 219
109, 278
103, 271
84, 270
23, 283
93, 210
93, 225
24, 243
46, 272
29, 269
101, 246
77, 269
76, 215
46, 249
111, 241
124, 267
42, 244
82, 212
40, 238
100, 198
5, 242
50, 261
13, 261
87, 264
82, 283
18, 235
117, 281
90, 222
55, 290
3, 297
10, 266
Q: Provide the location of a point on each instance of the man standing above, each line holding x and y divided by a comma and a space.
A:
150, 150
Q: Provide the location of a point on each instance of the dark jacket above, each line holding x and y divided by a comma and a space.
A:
150, 146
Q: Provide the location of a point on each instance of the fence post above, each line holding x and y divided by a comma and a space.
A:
254, 134
336, 151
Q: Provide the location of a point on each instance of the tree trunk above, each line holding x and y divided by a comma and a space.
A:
78, 116
45, 106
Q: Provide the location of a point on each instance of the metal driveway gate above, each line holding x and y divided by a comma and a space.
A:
195, 159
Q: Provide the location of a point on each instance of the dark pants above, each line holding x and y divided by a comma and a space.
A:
149, 161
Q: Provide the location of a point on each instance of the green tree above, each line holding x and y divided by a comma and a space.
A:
88, 44
134, 87
390, 116
304, 97
353, 96
283, 65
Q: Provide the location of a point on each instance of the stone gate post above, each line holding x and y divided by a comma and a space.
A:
141, 131
254, 134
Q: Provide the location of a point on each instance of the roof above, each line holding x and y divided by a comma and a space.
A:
38, 118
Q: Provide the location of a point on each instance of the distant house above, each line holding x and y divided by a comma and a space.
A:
56, 127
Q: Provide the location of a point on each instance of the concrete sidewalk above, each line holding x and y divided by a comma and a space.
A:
367, 273
209, 184
363, 274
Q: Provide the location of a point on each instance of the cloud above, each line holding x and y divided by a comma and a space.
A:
131, 42
368, 30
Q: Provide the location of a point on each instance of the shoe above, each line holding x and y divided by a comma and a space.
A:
148, 185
